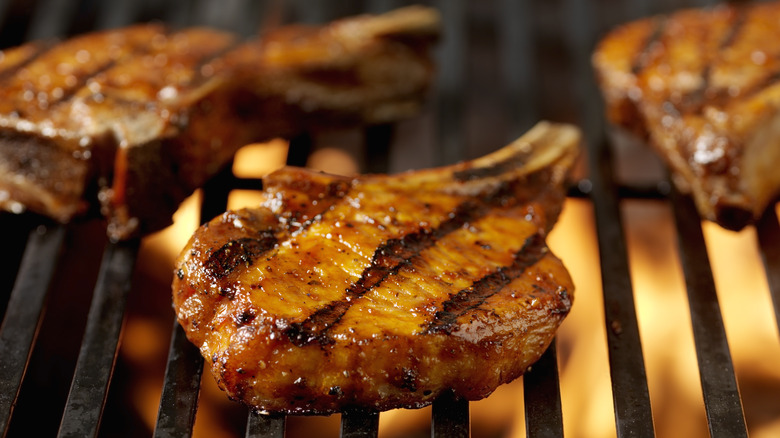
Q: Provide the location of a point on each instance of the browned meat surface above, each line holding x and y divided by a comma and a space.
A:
382, 291
702, 84
135, 119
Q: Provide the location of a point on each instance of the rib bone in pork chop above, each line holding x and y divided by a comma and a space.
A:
133, 120
380, 292
703, 85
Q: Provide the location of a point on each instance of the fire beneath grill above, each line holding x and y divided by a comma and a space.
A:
632, 246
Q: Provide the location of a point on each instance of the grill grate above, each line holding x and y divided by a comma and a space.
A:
446, 124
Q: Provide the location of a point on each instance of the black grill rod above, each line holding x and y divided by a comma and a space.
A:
181, 387
51, 19
299, 149
769, 242
630, 394
359, 424
516, 39
450, 417
99, 347
265, 426
377, 142
24, 312
719, 386
117, 13
16, 234
541, 388
4, 6
184, 368
451, 82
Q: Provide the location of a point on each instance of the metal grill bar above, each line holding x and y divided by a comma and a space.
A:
23, 314
181, 386
450, 82
97, 356
378, 139
299, 150
719, 386
450, 417
769, 241
265, 426
51, 19
515, 19
543, 417
359, 424
630, 394
179, 399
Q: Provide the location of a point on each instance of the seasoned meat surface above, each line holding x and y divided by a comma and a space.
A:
379, 291
702, 86
131, 121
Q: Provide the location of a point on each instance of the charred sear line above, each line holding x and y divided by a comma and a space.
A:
387, 260
771, 79
199, 78
40, 49
338, 189
512, 162
507, 165
695, 100
299, 219
736, 27
83, 79
472, 297
392, 256
643, 56
238, 252
81, 82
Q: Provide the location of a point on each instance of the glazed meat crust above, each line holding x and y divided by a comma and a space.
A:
131, 121
380, 292
701, 85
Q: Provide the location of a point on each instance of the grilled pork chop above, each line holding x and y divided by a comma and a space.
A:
702, 85
380, 292
135, 119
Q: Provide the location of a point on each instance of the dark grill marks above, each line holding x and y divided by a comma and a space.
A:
388, 259
694, 102
238, 252
471, 298
40, 49
136, 51
643, 56
512, 162
199, 78
771, 79
299, 217
83, 78
244, 251
81, 82
739, 21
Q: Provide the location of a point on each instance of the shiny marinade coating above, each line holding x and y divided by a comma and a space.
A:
702, 85
131, 121
381, 291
